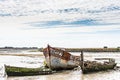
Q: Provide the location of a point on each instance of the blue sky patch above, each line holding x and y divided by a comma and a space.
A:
53, 24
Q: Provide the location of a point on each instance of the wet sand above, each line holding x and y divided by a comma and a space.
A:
24, 53
74, 75
65, 74
30, 55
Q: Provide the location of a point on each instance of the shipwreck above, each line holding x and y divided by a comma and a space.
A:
99, 64
57, 58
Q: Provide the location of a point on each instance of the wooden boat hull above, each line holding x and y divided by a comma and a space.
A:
93, 66
97, 64
58, 59
20, 71
58, 63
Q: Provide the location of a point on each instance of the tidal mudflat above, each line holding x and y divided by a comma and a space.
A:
36, 61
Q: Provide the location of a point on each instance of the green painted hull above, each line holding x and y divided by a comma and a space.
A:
20, 71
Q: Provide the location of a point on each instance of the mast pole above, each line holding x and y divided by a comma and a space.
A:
82, 60
49, 55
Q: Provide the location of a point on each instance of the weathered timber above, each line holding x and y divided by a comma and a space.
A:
82, 60
57, 59
20, 71
93, 66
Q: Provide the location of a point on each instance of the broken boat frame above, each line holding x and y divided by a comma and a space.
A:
93, 66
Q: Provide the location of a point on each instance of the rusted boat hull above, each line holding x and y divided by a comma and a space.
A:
58, 63
58, 59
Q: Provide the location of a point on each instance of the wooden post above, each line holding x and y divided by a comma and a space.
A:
82, 60
49, 56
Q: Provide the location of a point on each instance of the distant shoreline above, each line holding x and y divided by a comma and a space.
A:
35, 49
90, 49
93, 49
29, 55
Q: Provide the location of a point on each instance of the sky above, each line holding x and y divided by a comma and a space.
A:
60, 23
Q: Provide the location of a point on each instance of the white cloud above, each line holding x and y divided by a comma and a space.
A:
16, 14
33, 7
